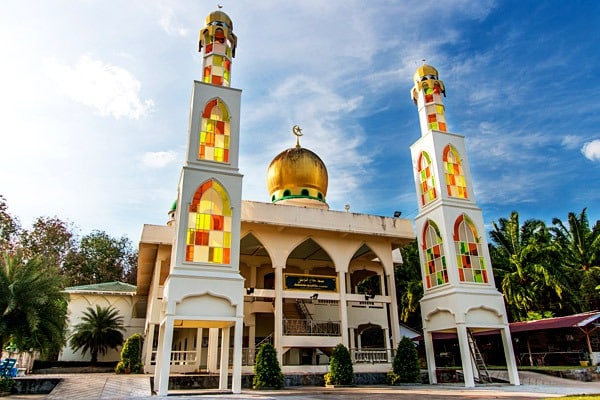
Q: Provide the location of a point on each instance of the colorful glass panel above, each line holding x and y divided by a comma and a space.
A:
214, 132
217, 59
469, 256
426, 179
208, 236
436, 273
456, 183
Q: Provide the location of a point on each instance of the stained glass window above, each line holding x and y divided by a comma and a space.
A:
455, 177
214, 133
469, 257
426, 179
436, 273
434, 108
209, 225
217, 59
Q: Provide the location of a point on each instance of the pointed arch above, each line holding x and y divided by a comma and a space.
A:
436, 273
426, 179
455, 177
209, 225
469, 255
215, 132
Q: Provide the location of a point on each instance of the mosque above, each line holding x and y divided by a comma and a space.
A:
225, 275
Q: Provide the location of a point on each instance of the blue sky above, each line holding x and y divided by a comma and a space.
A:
95, 101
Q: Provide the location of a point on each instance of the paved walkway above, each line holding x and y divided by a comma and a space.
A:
111, 386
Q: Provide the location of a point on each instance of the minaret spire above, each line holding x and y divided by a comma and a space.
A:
427, 95
218, 42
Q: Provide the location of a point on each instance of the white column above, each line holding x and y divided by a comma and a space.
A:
236, 379
351, 338
509, 354
213, 350
198, 349
278, 317
465, 355
148, 347
386, 342
163, 360
430, 354
343, 308
394, 319
224, 358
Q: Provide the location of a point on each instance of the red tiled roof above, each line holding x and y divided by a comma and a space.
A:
570, 321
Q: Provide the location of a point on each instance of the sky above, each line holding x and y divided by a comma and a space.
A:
95, 100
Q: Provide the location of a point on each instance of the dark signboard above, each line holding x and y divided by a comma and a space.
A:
310, 282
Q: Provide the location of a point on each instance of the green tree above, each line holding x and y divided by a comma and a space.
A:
409, 285
50, 237
523, 264
9, 228
579, 249
33, 306
100, 329
405, 366
341, 371
267, 372
101, 258
131, 356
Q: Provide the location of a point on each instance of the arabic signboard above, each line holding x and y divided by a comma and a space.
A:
310, 282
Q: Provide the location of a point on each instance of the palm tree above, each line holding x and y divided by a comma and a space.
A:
409, 285
523, 264
33, 307
99, 330
579, 249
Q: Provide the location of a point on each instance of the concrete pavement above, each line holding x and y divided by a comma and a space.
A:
111, 386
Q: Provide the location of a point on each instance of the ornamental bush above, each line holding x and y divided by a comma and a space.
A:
341, 371
267, 372
405, 367
131, 356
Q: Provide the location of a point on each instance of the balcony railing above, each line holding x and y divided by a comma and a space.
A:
372, 356
310, 327
178, 357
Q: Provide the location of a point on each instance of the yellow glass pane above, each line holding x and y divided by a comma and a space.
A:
217, 255
190, 236
217, 60
439, 109
210, 125
227, 239
219, 154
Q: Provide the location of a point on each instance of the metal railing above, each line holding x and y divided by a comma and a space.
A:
310, 327
178, 357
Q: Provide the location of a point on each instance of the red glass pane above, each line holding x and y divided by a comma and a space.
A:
189, 253
461, 275
485, 277
209, 48
201, 238
428, 282
216, 222
442, 126
431, 118
217, 80
208, 108
226, 256
220, 128
205, 186
226, 156
428, 98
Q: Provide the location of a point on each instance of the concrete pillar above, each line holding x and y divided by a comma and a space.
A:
238, 333
224, 358
343, 308
278, 317
148, 347
430, 354
163, 357
465, 355
198, 349
509, 355
213, 350
386, 342
394, 319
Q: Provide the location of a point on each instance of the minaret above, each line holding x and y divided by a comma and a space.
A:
459, 291
204, 289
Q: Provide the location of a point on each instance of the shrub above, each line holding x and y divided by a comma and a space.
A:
267, 372
341, 371
131, 356
405, 367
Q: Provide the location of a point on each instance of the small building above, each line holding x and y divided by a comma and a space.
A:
121, 296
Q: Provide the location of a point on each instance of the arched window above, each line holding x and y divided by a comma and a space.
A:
455, 177
426, 179
436, 273
214, 134
469, 257
209, 225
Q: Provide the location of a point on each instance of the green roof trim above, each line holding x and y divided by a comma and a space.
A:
104, 287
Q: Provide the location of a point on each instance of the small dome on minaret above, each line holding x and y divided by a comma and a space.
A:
426, 77
217, 42
297, 176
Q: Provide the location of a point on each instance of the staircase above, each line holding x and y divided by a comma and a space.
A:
482, 371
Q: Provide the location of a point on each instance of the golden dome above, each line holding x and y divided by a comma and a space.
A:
297, 173
426, 77
219, 17
425, 72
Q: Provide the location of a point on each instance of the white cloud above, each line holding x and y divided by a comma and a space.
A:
591, 150
109, 89
570, 141
170, 24
159, 159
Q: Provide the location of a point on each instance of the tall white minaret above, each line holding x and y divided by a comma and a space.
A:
204, 289
458, 282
